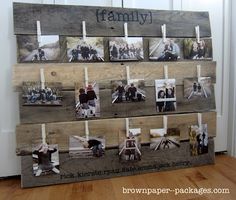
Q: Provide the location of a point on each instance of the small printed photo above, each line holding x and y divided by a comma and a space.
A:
36, 93
86, 147
197, 51
29, 50
87, 101
198, 139
170, 50
165, 95
130, 146
122, 49
90, 49
164, 139
45, 159
126, 92
198, 87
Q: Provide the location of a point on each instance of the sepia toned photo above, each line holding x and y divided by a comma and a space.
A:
165, 95
87, 100
164, 139
30, 50
128, 92
45, 159
197, 50
121, 49
170, 50
90, 49
48, 94
198, 139
197, 88
86, 147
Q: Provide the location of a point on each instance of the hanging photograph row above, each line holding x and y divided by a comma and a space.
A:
92, 49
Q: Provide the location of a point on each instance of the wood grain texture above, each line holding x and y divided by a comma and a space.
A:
58, 133
67, 20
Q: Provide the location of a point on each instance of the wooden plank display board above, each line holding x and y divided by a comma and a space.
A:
150, 111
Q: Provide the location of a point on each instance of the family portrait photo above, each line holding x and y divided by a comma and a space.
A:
45, 159
34, 93
80, 50
30, 50
170, 50
87, 100
165, 95
164, 139
198, 139
122, 49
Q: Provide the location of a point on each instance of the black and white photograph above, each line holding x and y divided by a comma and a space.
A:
164, 139
170, 50
84, 50
86, 146
129, 91
30, 50
36, 94
87, 100
165, 95
130, 145
198, 139
45, 159
122, 49
194, 50
198, 88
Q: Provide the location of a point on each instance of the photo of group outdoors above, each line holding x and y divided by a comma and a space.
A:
128, 91
165, 95
195, 88
164, 139
198, 50
86, 147
126, 49
45, 159
90, 49
34, 94
87, 100
170, 50
198, 139
30, 50
130, 145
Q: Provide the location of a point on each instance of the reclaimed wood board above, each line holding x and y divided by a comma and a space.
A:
107, 21
58, 133
75, 170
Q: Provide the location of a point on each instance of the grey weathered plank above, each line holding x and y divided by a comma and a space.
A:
76, 170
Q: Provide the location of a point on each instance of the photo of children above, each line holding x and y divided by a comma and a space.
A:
45, 159
123, 92
122, 49
170, 50
164, 139
31, 51
86, 147
87, 100
34, 94
195, 88
90, 49
197, 50
198, 139
165, 95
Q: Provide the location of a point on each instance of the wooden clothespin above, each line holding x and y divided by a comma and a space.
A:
127, 73
39, 33
43, 133
86, 76
197, 31
163, 31
165, 121
198, 72
42, 78
86, 130
126, 30
165, 71
127, 126
199, 118
84, 30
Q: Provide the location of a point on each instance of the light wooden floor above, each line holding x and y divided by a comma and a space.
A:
220, 175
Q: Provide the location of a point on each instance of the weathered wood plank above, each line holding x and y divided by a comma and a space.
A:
75, 170
58, 133
69, 73
105, 21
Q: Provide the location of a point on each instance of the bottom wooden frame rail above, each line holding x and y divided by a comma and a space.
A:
108, 166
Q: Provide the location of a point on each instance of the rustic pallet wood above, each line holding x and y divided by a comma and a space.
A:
106, 21
75, 170
58, 133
